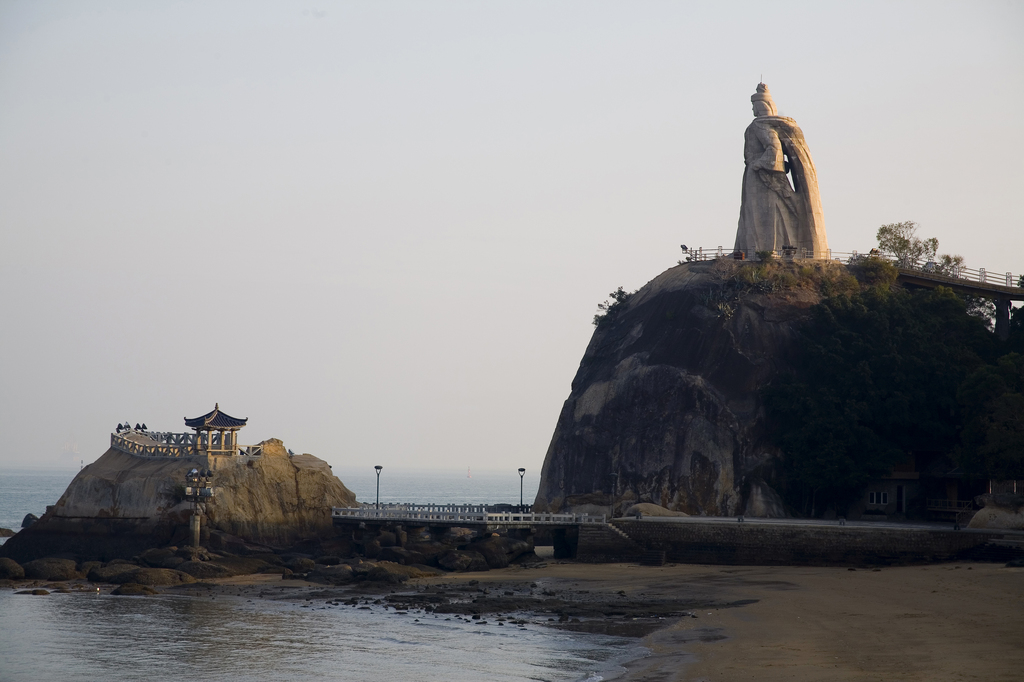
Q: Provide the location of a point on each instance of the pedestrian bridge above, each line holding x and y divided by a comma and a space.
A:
458, 515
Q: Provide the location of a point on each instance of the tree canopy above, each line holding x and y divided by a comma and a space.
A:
886, 373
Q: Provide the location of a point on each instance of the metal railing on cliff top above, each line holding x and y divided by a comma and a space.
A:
931, 269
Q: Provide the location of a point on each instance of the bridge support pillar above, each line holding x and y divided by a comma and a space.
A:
1003, 318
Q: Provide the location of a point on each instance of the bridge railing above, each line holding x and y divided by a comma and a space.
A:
461, 513
932, 269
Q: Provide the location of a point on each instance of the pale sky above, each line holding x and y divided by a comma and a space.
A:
380, 230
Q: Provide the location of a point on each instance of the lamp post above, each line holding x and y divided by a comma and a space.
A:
197, 489
378, 468
522, 472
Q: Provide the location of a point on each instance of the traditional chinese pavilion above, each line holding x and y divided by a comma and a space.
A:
216, 432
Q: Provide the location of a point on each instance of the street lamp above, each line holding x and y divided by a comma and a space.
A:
197, 490
378, 468
522, 472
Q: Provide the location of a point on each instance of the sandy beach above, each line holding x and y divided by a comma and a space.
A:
957, 621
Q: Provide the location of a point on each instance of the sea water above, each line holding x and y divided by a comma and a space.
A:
101, 637
29, 491
82, 636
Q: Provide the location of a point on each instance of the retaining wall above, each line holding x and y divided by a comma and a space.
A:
777, 544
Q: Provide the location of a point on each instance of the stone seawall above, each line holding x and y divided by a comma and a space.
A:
703, 542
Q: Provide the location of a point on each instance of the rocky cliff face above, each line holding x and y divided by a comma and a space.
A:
665, 406
121, 504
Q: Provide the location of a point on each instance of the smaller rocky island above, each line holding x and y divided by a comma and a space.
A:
134, 517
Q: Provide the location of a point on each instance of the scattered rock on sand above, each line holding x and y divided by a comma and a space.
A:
204, 570
134, 589
154, 576
500, 551
392, 573
400, 555
460, 560
11, 569
331, 575
109, 573
51, 568
301, 565
39, 592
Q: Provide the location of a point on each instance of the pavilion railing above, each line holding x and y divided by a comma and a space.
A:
167, 444
929, 269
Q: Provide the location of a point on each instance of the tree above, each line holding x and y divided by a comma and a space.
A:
992, 400
878, 381
901, 240
949, 265
609, 309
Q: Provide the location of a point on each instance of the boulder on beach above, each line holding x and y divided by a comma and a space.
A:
205, 570
29, 520
6, 533
163, 557
392, 573
133, 590
338, 574
300, 564
430, 550
400, 555
153, 576
1000, 511
51, 568
10, 569
461, 560
111, 573
649, 509
500, 551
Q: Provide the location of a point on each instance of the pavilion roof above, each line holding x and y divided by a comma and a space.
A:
215, 419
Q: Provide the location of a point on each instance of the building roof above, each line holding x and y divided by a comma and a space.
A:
215, 420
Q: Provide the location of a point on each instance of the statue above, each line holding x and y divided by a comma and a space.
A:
775, 212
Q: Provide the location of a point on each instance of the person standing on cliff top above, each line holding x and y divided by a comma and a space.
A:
773, 212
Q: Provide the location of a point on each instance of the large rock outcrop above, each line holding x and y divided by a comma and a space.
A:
665, 407
122, 504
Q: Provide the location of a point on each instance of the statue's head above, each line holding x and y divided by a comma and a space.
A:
762, 101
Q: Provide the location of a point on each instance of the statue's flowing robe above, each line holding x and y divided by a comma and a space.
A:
773, 213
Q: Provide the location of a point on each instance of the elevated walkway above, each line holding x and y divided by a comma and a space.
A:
477, 517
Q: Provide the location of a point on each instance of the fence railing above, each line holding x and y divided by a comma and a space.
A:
949, 505
997, 487
427, 514
931, 269
166, 444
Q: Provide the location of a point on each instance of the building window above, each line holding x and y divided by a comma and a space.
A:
878, 498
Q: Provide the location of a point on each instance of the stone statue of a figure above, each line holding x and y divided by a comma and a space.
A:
780, 206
